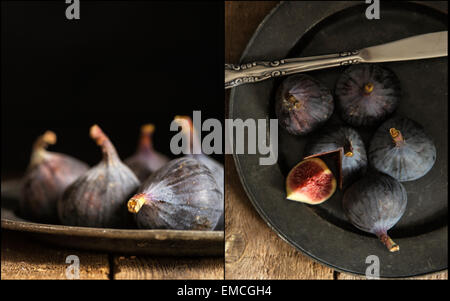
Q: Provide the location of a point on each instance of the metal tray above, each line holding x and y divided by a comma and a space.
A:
322, 232
132, 241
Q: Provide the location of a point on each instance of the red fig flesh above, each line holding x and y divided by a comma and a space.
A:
311, 182
146, 160
47, 176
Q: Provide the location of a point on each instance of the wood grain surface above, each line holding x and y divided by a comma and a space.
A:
24, 258
252, 249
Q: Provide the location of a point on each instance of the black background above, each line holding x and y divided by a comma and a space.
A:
121, 65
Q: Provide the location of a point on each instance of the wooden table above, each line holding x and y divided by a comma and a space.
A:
252, 250
24, 258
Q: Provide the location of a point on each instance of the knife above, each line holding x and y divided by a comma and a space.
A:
423, 46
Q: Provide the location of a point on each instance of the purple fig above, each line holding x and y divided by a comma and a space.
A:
146, 160
303, 104
181, 195
375, 204
401, 148
46, 178
99, 197
367, 94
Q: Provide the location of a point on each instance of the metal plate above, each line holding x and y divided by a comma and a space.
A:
322, 232
133, 241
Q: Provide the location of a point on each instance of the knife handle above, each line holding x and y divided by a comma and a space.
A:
236, 75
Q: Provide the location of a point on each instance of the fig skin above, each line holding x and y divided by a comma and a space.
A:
311, 182
215, 167
46, 178
182, 195
366, 94
401, 148
99, 197
375, 204
349, 148
146, 160
303, 104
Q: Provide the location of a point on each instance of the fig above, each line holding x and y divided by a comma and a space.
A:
47, 176
348, 148
146, 160
311, 182
374, 204
366, 94
402, 149
99, 197
302, 104
215, 167
182, 195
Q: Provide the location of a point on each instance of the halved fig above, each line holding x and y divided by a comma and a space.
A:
311, 182
348, 149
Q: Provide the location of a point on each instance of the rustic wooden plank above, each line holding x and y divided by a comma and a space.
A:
24, 258
144, 267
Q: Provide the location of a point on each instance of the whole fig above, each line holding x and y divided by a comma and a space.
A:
146, 160
47, 176
99, 197
181, 195
367, 94
349, 149
401, 148
375, 204
303, 104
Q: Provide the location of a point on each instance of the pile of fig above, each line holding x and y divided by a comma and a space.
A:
367, 97
180, 194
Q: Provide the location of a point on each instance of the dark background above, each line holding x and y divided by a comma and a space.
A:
121, 65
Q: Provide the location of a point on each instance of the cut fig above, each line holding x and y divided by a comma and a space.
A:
303, 104
366, 94
375, 204
311, 182
348, 148
401, 148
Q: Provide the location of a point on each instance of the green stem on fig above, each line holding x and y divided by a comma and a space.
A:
145, 141
396, 136
108, 149
40, 147
136, 202
368, 88
388, 242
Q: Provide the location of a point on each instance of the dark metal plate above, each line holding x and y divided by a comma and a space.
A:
322, 232
132, 241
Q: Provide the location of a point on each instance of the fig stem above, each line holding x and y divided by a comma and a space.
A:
397, 136
348, 149
136, 202
108, 149
145, 141
40, 147
190, 132
368, 88
388, 242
